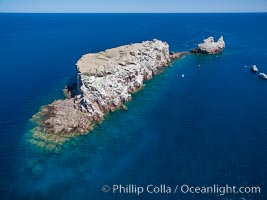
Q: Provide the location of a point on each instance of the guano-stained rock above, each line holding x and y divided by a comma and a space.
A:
209, 46
105, 81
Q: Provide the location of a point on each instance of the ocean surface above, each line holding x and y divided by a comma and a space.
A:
208, 127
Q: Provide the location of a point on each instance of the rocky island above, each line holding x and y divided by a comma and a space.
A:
209, 46
105, 82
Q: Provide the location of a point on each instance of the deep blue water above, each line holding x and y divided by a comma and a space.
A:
206, 128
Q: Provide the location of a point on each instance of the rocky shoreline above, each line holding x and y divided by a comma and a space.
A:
105, 82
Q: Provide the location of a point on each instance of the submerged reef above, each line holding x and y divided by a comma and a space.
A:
105, 82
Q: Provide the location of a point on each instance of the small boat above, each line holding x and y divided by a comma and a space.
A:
263, 76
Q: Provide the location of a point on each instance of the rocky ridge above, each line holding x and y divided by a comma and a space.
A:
105, 82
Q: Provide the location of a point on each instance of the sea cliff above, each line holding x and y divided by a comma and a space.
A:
105, 82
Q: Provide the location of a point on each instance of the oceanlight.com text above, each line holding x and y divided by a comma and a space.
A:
221, 190
182, 189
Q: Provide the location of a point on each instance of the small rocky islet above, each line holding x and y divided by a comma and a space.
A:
261, 75
209, 46
105, 82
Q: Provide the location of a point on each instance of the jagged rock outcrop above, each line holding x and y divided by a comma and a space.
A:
209, 46
254, 68
177, 55
105, 82
263, 76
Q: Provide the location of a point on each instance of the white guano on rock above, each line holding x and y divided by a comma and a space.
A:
105, 81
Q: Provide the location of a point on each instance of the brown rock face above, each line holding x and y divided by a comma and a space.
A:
177, 55
62, 117
105, 82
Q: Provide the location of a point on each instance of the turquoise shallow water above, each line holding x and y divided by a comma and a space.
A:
206, 128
